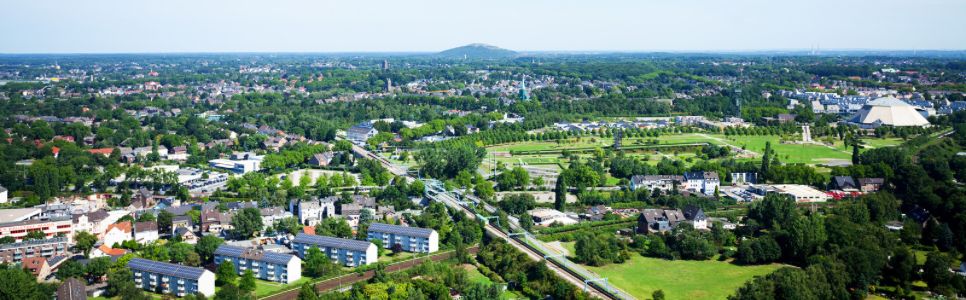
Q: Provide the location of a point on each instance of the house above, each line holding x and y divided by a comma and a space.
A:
3, 195
117, 233
696, 216
106, 251
659, 220
870, 185
321, 159
659, 182
703, 182
72, 289
213, 221
182, 222
272, 214
311, 212
409, 239
276, 267
145, 232
844, 183
187, 236
350, 253
37, 266
171, 278
361, 133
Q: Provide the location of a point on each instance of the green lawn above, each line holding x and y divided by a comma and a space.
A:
681, 279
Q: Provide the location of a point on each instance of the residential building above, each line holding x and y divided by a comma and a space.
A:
346, 252
272, 214
3, 195
117, 233
72, 289
171, 278
361, 133
870, 185
311, 212
277, 267
16, 252
321, 159
37, 266
702, 182
410, 239
696, 216
844, 183
145, 232
659, 182
213, 221
187, 236
104, 251
51, 227
659, 220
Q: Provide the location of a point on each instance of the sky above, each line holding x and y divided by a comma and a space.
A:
154, 26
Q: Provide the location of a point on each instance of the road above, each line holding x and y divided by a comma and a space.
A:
563, 267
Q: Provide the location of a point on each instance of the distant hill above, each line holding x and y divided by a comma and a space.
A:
477, 51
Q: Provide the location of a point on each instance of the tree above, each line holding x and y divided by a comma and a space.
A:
85, 242
289, 225
70, 268
18, 283
379, 246
937, 274
247, 283
526, 221
856, 160
231, 292
657, 295
901, 268
317, 264
765, 161
207, 245
307, 292
164, 221
247, 222
560, 193
35, 235
226, 274
98, 268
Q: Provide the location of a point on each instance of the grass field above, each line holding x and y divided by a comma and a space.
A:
681, 279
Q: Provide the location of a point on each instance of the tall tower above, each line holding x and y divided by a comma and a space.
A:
388, 84
523, 88
385, 64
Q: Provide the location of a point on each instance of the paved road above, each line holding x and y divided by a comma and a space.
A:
348, 280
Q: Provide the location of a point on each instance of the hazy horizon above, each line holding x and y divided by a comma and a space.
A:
426, 26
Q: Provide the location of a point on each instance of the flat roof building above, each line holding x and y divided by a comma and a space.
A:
410, 239
47, 248
271, 266
347, 252
171, 278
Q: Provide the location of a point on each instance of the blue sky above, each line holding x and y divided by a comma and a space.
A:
70, 26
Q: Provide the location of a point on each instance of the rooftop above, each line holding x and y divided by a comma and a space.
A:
165, 268
333, 242
401, 230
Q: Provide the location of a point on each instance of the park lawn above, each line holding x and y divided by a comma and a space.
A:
388, 258
879, 143
789, 153
680, 279
265, 288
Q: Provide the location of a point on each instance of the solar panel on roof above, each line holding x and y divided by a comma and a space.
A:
332, 242
151, 266
401, 230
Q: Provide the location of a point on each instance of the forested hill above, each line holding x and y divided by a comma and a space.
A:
477, 51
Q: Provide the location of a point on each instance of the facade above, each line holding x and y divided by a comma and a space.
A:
702, 182
3, 195
272, 214
277, 267
239, 163
16, 252
744, 178
312, 212
322, 159
652, 182
117, 233
411, 239
52, 227
696, 216
171, 278
37, 266
346, 252
145, 232
870, 185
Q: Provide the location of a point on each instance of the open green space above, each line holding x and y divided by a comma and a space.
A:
680, 279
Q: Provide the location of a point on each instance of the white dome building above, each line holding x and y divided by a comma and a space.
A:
888, 111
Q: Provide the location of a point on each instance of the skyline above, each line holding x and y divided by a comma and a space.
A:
221, 26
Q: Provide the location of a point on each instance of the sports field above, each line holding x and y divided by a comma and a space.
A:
680, 279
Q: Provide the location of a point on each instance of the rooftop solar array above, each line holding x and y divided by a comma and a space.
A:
151, 266
400, 230
254, 254
332, 242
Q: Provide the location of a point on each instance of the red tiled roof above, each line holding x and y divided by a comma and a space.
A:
111, 251
103, 151
309, 230
123, 226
